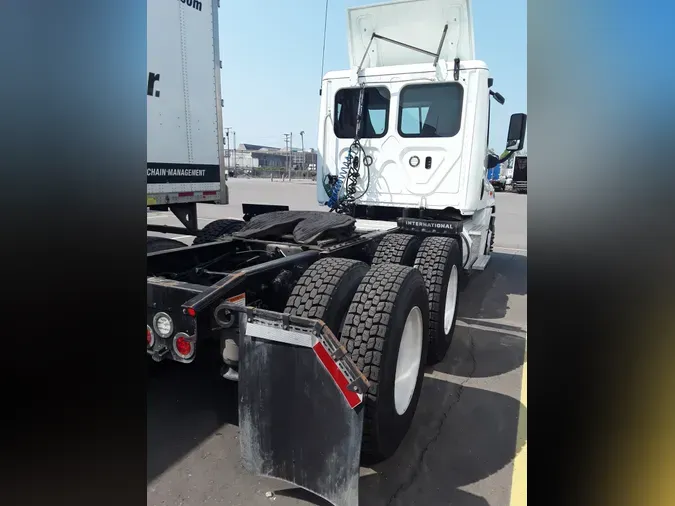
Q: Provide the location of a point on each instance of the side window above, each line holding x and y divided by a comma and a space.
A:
375, 112
430, 110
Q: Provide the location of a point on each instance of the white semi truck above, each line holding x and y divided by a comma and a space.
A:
327, 319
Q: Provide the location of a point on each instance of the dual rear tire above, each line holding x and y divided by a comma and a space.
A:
439, 259
381, 315
391, 318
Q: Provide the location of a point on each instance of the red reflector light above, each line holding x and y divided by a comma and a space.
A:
186, 194
183, 347
191, 312
149, 337
209, 193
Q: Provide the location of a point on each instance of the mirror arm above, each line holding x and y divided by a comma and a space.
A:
505, 155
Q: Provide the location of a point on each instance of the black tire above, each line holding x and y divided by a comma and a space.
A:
372, 335
396, 249
217, 229
156, 243
435, 260
326, 289
491, 246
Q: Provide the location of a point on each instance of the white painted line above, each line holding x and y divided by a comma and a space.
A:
514, 250
169, 215
519, 478
444, 376
496, 329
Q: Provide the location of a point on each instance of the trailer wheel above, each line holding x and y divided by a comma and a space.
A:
440, 262
156, 243
325, 291
396, 249
386, 334
216, 229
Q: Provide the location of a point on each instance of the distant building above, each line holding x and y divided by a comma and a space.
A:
256, 156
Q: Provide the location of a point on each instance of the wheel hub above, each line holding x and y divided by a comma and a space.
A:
409, 359
450, 299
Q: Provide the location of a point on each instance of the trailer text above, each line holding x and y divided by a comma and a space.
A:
176, 172
196, 4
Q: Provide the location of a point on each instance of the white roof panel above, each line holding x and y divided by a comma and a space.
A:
418, 23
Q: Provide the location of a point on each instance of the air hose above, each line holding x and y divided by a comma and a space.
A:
349, 172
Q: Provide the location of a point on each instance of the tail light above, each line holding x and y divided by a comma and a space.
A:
149, 337
183, 345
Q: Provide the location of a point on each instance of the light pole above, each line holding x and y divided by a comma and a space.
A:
302, 142
229, 153
288, 155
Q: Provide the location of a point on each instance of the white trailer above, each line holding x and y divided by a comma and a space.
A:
184, 109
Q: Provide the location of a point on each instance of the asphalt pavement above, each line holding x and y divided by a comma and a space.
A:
467, 445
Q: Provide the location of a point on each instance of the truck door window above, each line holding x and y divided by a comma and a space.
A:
430, 110
375, 113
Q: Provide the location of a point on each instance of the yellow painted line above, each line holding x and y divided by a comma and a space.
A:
519, 479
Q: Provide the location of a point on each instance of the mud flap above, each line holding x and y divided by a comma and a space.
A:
300, 409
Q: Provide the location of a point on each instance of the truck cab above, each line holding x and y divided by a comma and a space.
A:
423, 139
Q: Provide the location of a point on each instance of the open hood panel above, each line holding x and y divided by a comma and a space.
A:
418, 23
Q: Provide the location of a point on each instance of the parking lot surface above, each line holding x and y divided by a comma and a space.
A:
468, 442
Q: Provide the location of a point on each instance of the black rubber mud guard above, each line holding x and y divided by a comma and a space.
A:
296, 424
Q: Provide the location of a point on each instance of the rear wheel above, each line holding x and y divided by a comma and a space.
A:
217, 229
325, 291
386, 335
440, 262
396, 249
156, 243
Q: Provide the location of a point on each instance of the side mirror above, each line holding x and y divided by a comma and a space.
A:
498, 97
492, 161
516, 136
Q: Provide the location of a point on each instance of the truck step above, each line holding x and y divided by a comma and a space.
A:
481, 263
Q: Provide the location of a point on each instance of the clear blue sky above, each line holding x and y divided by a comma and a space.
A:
271, 54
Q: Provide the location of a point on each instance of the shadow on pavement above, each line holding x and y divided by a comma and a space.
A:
496, 348
185, 405
487, 293
449, 445
481, 353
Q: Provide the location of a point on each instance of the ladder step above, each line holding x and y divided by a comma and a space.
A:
481, 262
